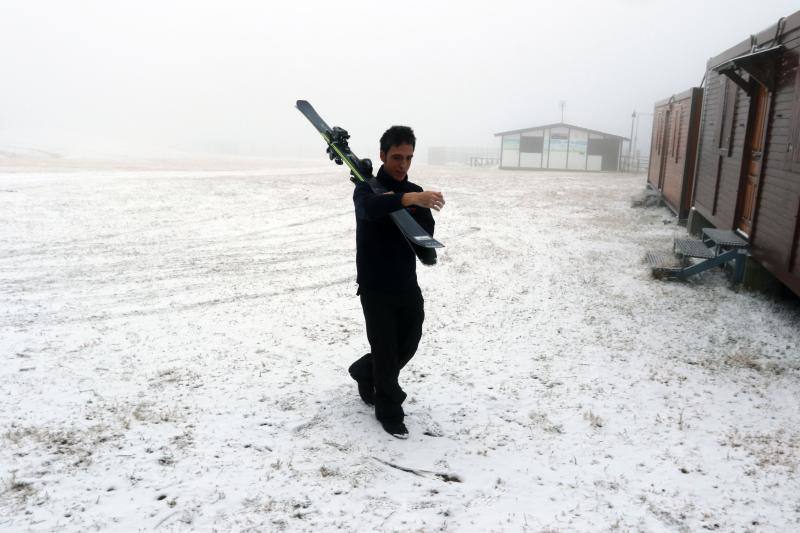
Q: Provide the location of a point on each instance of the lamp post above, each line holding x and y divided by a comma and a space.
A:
635, 117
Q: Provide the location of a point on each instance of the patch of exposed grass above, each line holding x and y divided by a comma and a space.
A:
769, 450
594, 420
19, 490
150, 412
75, 447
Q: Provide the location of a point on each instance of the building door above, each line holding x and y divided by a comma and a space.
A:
754, 152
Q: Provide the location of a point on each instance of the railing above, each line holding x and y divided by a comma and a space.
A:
481, 161
635, 164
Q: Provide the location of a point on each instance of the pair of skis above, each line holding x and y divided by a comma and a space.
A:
424, 245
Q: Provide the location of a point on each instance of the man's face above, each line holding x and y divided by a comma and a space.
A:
397, 160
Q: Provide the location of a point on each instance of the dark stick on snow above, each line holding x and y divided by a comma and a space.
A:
165, 519
449, 478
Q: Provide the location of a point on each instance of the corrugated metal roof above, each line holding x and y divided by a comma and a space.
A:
741, 61
560, 125
772, 34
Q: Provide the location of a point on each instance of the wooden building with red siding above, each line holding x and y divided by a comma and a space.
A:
673, 149
748, 165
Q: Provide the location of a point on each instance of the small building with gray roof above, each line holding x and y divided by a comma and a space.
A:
560, 146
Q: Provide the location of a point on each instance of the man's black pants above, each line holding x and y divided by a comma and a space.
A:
394, 328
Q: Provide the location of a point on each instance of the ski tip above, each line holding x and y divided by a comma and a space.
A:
301, 103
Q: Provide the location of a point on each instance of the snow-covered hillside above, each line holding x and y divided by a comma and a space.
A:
174, 346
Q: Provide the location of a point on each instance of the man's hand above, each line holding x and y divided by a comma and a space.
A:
427, 199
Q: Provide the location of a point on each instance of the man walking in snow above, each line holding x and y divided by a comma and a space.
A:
387, 278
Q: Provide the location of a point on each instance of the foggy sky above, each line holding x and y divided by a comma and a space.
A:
141, 76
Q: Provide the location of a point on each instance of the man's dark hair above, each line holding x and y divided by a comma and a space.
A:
397, 135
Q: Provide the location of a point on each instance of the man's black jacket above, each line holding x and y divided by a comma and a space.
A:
384, 259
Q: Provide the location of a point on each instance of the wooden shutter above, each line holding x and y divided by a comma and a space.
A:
659, 118
678, 134
674, 125
793, 149
722, 93
719, 116
731, 94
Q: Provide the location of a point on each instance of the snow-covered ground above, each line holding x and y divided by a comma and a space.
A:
174, 343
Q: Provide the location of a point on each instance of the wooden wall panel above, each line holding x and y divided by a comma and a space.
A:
654, 169
706, 173
777, 235
776, 231
676, 172
731, 150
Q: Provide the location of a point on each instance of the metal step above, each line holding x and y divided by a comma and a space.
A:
692, 248
663, 265
659, 260
724, 238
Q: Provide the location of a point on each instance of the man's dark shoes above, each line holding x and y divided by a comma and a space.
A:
397, 430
